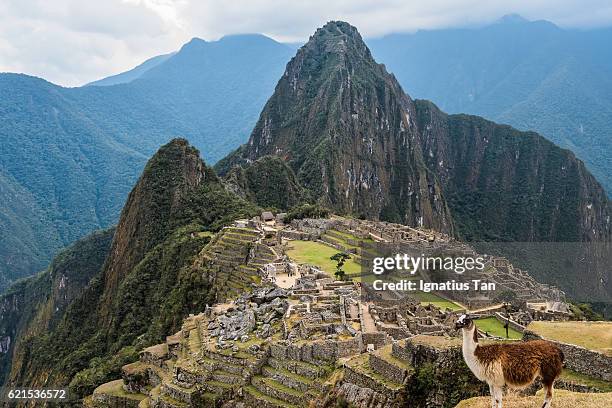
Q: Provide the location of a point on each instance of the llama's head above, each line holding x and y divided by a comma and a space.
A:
464, 322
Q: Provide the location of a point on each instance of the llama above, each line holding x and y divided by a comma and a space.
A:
516, 365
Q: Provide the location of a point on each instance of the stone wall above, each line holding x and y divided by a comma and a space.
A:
378, 339
589, 362
317, 351
362, 380
392, 372
113, 401
500, 318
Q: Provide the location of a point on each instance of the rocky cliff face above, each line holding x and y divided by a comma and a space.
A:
502, 184
174, 172
348, 131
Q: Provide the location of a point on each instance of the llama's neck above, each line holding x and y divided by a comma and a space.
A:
470, 341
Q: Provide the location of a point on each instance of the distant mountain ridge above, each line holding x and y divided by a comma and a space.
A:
71, 155
532, 75
515, 71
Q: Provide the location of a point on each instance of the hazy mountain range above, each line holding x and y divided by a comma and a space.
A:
70, 156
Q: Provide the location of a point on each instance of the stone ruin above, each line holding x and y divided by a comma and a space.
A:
268, 345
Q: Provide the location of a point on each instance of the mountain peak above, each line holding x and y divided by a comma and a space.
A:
337, 37
334, 117
512, 18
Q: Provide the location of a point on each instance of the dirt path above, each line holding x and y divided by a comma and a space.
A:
368, 322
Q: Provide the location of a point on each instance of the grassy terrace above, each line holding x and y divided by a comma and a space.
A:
258, 394
361, 364
440, 342
385, 354
493, 326
115, 388
318, 254
591, 335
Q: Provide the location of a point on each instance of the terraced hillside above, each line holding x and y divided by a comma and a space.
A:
234, 256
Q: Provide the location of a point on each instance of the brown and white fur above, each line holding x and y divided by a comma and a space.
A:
515, 365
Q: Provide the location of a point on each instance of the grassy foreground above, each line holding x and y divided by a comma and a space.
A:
562, 399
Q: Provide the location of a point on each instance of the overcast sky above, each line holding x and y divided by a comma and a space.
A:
72, 42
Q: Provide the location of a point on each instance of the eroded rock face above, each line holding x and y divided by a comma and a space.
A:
359, 145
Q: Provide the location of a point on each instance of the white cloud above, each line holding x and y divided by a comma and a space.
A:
71, 42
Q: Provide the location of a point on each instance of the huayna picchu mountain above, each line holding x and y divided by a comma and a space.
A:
146, 280
361, 146
347, 130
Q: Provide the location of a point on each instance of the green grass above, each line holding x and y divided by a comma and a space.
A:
290, 374
315, 253
386, 354
493, 326
427, 298
272, 383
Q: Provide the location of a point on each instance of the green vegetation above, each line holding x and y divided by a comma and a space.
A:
100, 370
591, 335
149, 283
584, 311
315, 253
268, 182
37, 307
340, 258
493, 326
306, 211
452, 382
